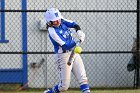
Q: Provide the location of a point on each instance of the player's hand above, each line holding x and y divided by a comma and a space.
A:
81, 35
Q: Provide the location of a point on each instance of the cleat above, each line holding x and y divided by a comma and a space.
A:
47, 91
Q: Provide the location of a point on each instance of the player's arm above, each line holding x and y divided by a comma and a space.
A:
71, 24
60, 40
68, 46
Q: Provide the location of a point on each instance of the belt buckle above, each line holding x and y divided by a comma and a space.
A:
66, 51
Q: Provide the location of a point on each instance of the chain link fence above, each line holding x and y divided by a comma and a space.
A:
110, 27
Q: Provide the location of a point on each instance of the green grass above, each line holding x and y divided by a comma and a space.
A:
78, 91
15, 88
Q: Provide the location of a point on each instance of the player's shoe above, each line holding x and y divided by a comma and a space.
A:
47, 91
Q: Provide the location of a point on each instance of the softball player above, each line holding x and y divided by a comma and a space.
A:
63, 42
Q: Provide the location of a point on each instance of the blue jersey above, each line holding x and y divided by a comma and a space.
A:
61, 36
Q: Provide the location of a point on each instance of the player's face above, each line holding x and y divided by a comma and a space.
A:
57, 23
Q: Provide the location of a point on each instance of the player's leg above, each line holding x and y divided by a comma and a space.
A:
80, 74
64, 73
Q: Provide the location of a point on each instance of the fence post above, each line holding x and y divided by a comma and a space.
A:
24, 42
137, 63
2, 24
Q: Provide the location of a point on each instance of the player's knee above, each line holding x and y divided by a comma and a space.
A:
83, 81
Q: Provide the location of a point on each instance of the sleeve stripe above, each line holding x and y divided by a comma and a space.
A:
68, 20
54, 35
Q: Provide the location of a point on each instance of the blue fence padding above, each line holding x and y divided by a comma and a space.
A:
11, 75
